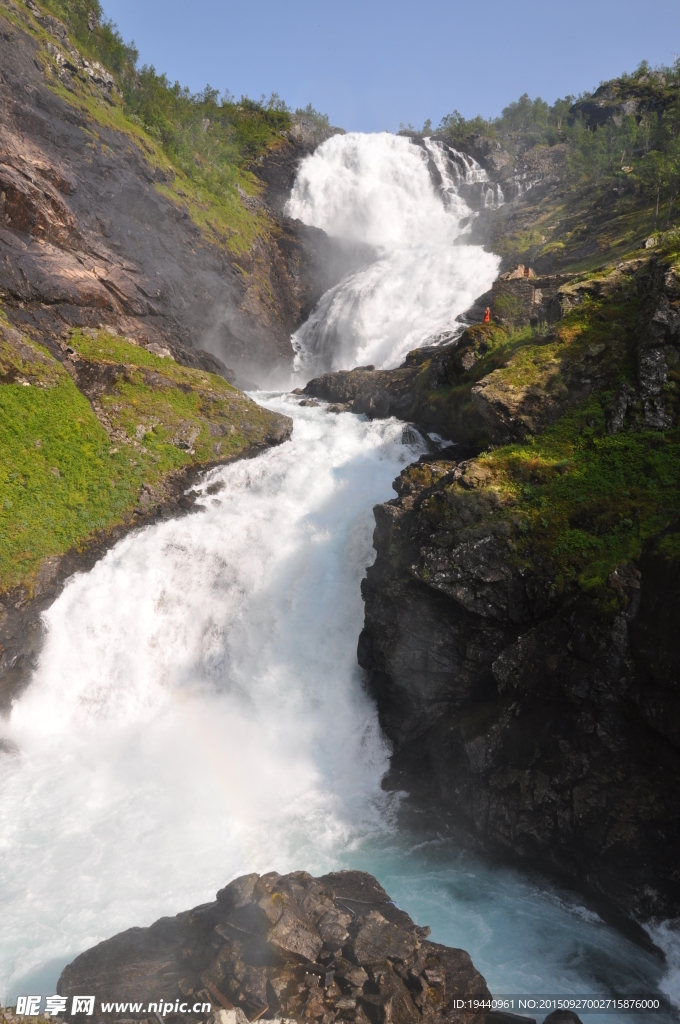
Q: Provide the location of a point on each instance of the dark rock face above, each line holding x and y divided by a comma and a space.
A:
376, 393
658, 353
277, 170
550, 732
291, 946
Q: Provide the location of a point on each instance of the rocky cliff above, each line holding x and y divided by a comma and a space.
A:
286, 946
97, 226
522, 608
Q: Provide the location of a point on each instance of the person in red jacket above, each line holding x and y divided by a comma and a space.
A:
487, 315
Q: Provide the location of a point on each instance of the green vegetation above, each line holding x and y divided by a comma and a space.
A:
628, 140
180, 415
313, 115
612, 159
576, 501
209, 143
63, 476
57, 479
588, 501
205, 145
96, 36
237, 132
210, 140
483, 349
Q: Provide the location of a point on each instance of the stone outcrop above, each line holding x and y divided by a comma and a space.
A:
545, 726
365, 390
542, 719
293, 947
520, 298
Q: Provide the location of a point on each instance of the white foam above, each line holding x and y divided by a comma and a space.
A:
666, 935
198, 711
377, 189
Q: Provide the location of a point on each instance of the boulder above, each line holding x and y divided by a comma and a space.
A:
285, 948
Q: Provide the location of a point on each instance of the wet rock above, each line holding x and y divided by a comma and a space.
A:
410, 435
281, 429
657, 352
295, 934
547, 729
652, 370
378, 938
367, 391
375, 405
657, 416
287, 947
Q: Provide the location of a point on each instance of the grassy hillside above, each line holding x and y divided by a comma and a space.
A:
575, 498
204, 144
573, 492
84, 448
96, 430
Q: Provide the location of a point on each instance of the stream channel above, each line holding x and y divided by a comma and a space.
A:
198, 712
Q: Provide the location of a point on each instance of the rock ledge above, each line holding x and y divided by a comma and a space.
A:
286, 947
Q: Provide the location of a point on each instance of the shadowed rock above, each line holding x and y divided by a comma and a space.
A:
287, 946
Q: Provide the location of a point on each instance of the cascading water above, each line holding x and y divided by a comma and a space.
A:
379, 189
198, 712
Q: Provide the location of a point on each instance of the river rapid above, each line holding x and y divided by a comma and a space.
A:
198, 711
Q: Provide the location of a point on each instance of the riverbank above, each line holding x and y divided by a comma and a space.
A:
100, 441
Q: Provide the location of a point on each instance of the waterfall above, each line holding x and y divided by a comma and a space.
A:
197, 711
403, 199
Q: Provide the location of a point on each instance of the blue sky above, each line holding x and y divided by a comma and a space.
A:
371, 64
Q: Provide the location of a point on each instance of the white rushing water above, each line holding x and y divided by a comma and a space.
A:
198, 712
377, 189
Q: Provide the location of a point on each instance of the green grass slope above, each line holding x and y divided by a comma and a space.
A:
575, 498
86, 448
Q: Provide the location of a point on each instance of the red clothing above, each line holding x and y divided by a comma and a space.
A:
487, 315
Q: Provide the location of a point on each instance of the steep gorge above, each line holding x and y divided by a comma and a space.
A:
522, 608
521, 611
